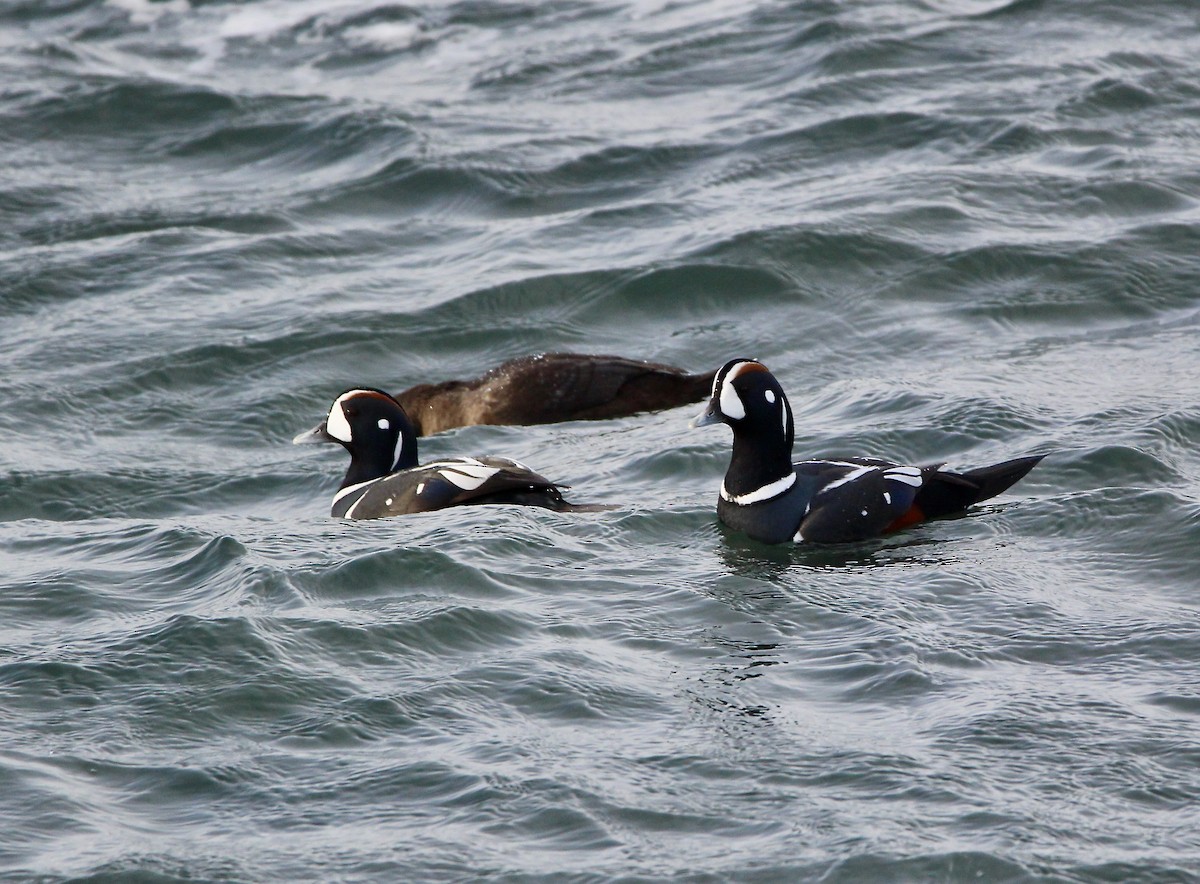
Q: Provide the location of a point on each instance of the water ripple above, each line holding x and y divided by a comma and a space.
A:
957, 232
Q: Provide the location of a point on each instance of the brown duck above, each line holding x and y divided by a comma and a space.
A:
552, 387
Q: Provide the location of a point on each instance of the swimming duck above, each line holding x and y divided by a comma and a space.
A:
552, 387
384, 478
774, 500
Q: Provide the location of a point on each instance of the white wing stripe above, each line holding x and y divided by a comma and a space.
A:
907, 475
856, 473
354, 506
468, 479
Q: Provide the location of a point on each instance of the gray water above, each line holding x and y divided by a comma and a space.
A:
956, 231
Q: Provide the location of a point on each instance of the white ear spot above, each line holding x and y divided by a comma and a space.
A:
383, 423
731, 402
770, 394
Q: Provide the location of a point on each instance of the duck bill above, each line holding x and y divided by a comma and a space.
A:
706, 418
315, 435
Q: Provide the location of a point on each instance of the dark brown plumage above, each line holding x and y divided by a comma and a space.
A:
552, 387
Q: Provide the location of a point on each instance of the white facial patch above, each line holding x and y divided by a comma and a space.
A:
770, 394
383, 424
731, 403
336, 424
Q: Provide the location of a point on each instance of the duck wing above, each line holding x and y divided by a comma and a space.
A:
578, 386
858, 498
451, 482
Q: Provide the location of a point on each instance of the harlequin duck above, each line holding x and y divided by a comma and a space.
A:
552, 387
384, 478
774, 500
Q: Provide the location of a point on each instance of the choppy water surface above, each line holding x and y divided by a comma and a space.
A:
957, 231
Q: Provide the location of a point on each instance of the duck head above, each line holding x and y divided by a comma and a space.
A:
747, 397
373, 427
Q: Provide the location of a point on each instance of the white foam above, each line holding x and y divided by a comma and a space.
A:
386, 35
262, 21
143, 12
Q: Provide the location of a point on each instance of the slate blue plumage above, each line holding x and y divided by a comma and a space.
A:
774, 500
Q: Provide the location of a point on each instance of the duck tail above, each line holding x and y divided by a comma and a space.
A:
945, 492
1001, 476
